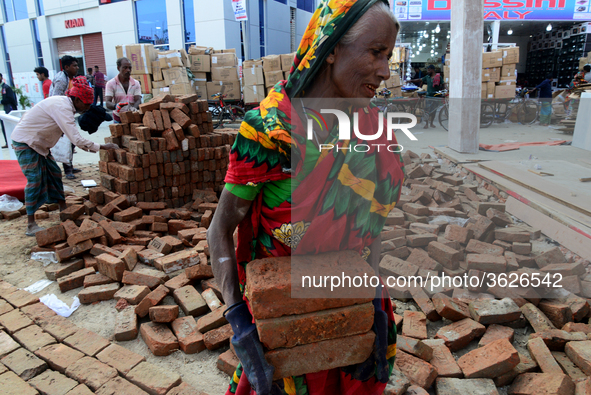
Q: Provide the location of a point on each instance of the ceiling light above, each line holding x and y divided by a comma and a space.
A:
427, 23
426, 35
438, 28
549, 27
510, 31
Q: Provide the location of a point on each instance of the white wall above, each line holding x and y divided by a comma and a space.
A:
277, 28
174, 19
53, 7
117, 32
31, 8
21, 46
210, 23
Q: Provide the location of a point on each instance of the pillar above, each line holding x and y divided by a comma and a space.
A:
496, 29
465, 83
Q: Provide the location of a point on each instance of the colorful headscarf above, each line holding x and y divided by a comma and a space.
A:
81, 90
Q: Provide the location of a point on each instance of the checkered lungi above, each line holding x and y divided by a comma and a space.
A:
44, 177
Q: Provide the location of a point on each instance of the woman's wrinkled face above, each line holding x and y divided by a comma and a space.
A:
359, 68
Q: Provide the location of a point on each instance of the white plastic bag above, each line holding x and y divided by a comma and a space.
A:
62, 151
46, 257
58, 306
9, 203
38, 286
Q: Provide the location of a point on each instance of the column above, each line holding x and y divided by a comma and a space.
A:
496, 29
465, 84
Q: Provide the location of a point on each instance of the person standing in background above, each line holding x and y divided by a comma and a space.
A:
61, 83
43, 76
8, 100
545, 98
99, 85
89, 76
123, 93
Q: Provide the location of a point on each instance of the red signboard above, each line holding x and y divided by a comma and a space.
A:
70, 23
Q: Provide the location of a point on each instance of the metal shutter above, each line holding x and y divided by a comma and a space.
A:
69, 46
94, 54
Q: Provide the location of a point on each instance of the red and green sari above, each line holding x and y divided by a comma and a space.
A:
305, 201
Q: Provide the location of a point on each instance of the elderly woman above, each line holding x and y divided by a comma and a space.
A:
289, 197
37, 132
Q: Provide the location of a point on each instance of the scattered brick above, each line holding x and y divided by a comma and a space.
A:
133, 294
493, 311
459, 334
443, 360
148, 277
120, 358
397, 384
111, 266
52, 382
98, 293
419, 372
553, 255
151, 299
212, 320
492, 360
59, 356
190, 301
58, 270
568, 366
450, 309
129, 257
153, 379
496, 332
177, 282
163, 314
126, 327
512, 235
178, 261
72, 212
74, 280
542, 383
218, 337
189, 337
536, 318
414, 324
90, 372
70, 252
228, 362
148, 256
33, 338
580, 353
525, 365
447, 256
558, 313
450, 386
51, 235
479, 247
96, 279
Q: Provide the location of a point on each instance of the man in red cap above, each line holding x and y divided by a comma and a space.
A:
38, 131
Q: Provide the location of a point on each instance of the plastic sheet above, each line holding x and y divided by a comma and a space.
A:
46, 257
9, 203
58, 306
38, 286
448, 219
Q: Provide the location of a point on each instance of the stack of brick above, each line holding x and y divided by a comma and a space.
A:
167, 150
44, 353
309, 334
42, 213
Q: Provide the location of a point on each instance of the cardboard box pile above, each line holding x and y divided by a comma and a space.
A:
258, 76
142, 57
393, 84
224, 75
498, 73
168, 149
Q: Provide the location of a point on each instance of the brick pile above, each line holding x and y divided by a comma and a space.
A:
42, 213
167, 150
44, 353
455, 224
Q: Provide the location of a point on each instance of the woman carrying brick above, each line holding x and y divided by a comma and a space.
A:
288, 196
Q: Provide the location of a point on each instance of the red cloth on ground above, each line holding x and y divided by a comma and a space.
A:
12, 179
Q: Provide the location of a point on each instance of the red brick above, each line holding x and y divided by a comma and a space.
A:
558, 313
480, 247
521, 248
218, 337
14, 321
153, 379
51, 382
496, 332
128, 214
199, 272
160, 245
541, 354
126, 229
72, 212
211, 299
58, 327
420, 240
38, 312
74, 280
148, 277
163, 314
457, 233
450, 309
443, 360
51, 235
228, 362
449, 386
212, 320
113, 237
119, 385
445, 255
25, 364
33, 338
536, 318
177, 282
499, 218
148, 256
152, 299
71, 252
126, 328
85, 235
120, 358
542, 383
414, 324
553, 255
133, 294
512, 235
111, 266
190, 301
459, 334
421, 259
493, 311
212, 284
568, 366
189, 337
419, 372
577, 327
525, 365
177, 261
148, 206
87, 342
580, 353
59, 356
489, 361
159, 338
98, 293
414, 347
58, 270
99, 249
11, 384
91, 372
486, 263
582, 387
415, 209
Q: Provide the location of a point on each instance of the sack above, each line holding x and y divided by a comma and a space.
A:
62, 151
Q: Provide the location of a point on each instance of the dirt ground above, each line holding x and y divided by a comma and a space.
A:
16, 267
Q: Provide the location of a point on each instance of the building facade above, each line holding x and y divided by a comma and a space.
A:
39, 32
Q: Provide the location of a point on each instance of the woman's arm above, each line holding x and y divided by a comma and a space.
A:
230, 212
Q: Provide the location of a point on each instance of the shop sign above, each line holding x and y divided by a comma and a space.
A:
78, 22
239, 7
505, 10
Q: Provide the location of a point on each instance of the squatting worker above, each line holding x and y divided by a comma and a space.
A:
123, 93
37, 132
345, 196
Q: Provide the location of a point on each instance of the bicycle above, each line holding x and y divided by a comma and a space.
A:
225, 113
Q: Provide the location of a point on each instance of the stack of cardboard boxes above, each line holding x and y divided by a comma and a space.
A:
261, 75
200, 66
224, 75
498, 73
393, 84
142, 57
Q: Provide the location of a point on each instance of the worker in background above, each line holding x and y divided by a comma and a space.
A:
90, 77
99, 85
123, 93
433, 82
8, 100
38, 131
43, 76
418, 73
545, 98
61, 83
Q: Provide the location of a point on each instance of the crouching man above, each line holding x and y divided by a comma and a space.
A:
37, 132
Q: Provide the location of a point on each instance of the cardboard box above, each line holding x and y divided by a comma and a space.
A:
145, 81
231, 89
393, 81
200, 77
254, 93
271, 63
175, 75
201, 89
483, 91
252, 63
158, 84
156, 71
491, 75
396, 92
140, 56
224, 73
253, 76
197, 50
182, 89
447, 61
219, 51
273, 77
169, 59
200, 63
511, 55
508, 70
507, 81
224, 60
504, 91
490, 87
492, 59
485, 75
287, 61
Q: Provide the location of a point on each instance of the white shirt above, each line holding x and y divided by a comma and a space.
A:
42, 126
